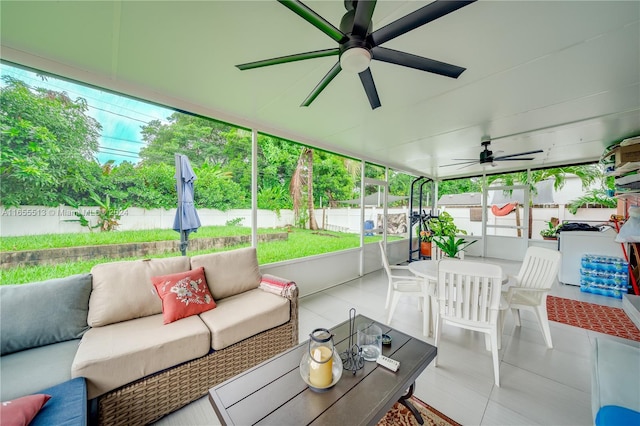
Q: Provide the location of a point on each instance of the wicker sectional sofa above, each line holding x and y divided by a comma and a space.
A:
138, 365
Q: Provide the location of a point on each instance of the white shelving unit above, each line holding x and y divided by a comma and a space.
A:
629, 198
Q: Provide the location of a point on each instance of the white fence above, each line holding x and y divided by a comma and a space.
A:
37, 220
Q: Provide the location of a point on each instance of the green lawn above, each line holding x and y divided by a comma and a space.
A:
38, 242
301, 243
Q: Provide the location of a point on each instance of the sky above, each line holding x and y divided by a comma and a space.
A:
121, 117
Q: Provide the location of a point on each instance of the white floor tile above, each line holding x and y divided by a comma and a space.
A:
542, 400
499, 415
450, 395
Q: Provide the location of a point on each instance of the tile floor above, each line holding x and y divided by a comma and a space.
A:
539, 386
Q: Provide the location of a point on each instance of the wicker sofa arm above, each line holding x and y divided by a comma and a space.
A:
284, 288
294, 313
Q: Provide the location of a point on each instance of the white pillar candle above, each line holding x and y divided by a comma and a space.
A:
320, 374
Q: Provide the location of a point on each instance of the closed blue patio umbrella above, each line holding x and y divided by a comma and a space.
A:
186, 220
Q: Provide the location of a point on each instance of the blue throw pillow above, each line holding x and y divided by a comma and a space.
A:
42, 313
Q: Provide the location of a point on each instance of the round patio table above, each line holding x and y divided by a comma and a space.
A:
428, 269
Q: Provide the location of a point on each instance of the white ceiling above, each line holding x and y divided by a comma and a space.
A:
561, 76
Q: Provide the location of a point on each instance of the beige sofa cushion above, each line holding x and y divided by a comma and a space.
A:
123, 290
231, 272
117, 354
244, 315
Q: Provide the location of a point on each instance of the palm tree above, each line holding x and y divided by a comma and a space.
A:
308, 153
587, 174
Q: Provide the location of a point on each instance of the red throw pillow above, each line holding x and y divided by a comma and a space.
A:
21, 411
183, 294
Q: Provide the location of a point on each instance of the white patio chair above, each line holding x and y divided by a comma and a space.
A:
469, 297
537, 274
405, 284
436, 252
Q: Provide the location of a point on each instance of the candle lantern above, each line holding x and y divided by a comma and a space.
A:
321, 354
317, 366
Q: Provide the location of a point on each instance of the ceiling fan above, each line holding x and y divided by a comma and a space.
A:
358, 45
486, 156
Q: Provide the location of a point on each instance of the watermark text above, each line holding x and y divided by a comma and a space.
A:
54, 211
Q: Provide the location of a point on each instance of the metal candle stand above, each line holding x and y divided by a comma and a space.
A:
352, 359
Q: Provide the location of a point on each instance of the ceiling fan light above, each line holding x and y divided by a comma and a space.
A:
355, 60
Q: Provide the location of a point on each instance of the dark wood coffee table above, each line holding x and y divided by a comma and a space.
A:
273, 393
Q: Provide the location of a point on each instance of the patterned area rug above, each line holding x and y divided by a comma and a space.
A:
603, 319
399, 415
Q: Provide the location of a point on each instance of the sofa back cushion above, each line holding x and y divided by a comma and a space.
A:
231, 272
42, 313
123, 290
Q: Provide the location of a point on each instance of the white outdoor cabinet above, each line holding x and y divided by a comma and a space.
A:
575, 244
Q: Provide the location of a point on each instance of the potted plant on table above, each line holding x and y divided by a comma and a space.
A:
452, 245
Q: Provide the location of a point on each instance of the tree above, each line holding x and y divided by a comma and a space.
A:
48, 146
277, 160
458, 186
597, 195
310, 205
144, 185
215, 189
331, 180
299, 181
236, 159
200, 139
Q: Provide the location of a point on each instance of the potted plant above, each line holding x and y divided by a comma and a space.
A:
424, 236
443, 226
451, 245
551, 231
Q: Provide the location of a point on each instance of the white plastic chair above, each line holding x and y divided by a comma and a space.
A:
399, 285
537, 274
436, 252
469, 297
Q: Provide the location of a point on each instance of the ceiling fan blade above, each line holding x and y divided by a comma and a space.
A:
289, 58
418, 62
458, 164
507, 157
362, 20
370, 88
512, 159
468, 165
314, 19
425, 14
323, 83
